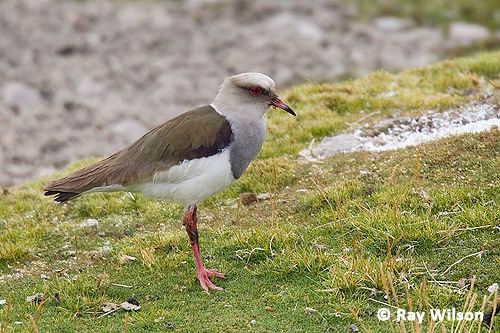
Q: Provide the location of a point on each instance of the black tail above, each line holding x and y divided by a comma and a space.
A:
62, 196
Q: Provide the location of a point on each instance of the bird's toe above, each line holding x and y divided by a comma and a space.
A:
204, 278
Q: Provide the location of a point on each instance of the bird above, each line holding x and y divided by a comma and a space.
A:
189, 158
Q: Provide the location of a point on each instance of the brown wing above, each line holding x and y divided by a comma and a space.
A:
195, 134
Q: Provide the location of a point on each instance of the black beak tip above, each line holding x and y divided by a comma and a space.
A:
290, 111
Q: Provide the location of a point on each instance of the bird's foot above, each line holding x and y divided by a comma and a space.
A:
204, 276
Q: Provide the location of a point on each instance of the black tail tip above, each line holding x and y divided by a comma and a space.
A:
61, 196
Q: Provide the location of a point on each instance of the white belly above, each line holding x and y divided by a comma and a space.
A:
191, 181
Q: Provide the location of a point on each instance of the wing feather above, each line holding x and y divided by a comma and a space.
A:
195, 134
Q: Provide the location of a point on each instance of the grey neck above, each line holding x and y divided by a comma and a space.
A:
249, 129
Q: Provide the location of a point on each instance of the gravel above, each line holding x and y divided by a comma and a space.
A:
401, 132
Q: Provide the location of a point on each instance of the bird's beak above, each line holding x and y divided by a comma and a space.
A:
275, 101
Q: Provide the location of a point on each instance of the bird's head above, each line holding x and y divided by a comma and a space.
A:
250, 92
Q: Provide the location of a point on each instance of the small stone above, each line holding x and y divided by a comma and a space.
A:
253, 322
129, 306
107, 307
330, 146
89, 223
319, 247
463, 34
493, 288
462, 283
126, 259
69, 253
247, 198
35, 299
353, 328
88, 87
263, 197
3, 301
20, 95
269, 309
44, 277
390, 24
309, 310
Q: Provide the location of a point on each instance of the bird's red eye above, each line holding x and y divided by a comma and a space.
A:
255, 91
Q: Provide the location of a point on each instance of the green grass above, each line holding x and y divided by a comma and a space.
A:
437, 12
336, 236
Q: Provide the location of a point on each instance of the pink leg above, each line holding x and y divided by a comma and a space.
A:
203, 274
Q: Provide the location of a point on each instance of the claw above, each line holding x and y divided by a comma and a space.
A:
204, 278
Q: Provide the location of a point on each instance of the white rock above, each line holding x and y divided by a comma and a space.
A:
390, 24
89, 223
69, 253
493, 287
3, 301
309, 310
107, 307
129, 306
20, 95
253, 322
35, 299
125, 259
465, 34
330, 146
263, 196
88, 87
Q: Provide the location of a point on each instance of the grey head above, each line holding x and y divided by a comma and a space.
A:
243, 100
248, 95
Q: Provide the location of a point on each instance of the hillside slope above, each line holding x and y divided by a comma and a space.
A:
335, 240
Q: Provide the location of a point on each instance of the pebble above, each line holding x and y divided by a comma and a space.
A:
89, 223
464, 34
107, 307
390, 24
35, 299
20, 95
126, 259
263, 197
353, 328
493, 288
309, 310
69, 253
127, 306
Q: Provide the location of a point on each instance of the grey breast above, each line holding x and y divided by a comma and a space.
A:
247, 142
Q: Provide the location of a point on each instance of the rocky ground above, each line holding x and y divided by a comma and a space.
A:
401, 132
86, 78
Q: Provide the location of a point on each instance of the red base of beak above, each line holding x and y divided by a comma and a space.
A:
280, 104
